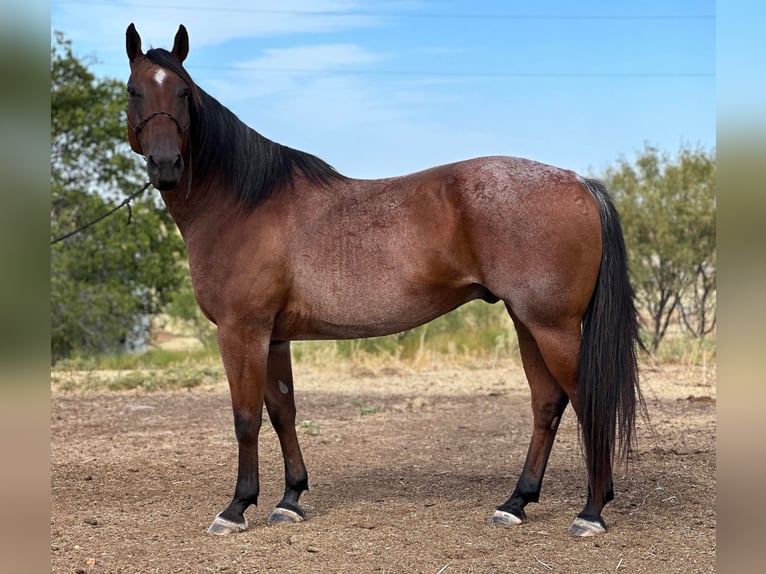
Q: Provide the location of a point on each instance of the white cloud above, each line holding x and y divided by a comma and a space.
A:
101, 27
314, 58
285, 69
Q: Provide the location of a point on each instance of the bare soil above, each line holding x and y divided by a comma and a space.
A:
405, 468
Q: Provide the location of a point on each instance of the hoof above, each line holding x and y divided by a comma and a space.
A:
223, 527
285, 516
504, 518
582, 528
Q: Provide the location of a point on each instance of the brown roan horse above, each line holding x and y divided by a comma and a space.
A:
282, 247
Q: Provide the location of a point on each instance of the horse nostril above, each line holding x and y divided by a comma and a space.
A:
163, 163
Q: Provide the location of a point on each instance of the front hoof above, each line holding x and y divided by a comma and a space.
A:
503, 518
285, 516
223, 527
583, 528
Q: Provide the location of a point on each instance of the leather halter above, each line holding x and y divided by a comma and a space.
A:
181, 129
138, 127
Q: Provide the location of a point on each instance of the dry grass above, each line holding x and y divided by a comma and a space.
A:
475, 337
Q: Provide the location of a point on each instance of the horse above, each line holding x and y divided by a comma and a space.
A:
283, 247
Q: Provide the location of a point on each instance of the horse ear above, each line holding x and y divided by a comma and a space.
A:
133, 43
181, 44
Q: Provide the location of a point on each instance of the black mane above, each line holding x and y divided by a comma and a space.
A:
223, 145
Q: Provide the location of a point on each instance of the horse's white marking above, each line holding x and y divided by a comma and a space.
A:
585, 528
504, 517
294, 517
223, 527
159, 76
283, 388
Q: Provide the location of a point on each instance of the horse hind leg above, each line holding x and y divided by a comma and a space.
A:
280, 403
560, 349
548, 403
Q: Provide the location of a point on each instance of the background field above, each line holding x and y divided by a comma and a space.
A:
406, 462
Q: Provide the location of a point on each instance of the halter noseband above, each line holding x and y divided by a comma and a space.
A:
138, 127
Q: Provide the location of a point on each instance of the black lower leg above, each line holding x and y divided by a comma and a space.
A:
526, 491
293, 490
280, 403
529, 485
593, 506
548, 403
248, 487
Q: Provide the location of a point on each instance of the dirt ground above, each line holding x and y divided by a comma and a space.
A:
405, 468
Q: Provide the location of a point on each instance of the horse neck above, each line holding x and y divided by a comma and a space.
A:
201, 196
194, 207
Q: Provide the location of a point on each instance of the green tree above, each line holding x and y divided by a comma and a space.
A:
107, 280
667, 205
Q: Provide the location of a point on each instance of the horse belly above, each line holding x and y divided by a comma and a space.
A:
372, 306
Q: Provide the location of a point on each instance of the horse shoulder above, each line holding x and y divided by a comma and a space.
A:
239, 273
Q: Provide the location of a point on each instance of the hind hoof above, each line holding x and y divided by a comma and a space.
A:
583, 528
503, 518
284, 516
223, 527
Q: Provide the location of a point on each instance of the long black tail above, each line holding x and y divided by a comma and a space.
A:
608, 390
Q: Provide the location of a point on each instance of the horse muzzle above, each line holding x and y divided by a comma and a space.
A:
165, 170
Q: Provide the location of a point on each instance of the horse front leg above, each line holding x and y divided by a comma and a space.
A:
280, 403
244, 355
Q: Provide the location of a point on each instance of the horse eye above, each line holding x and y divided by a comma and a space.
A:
184, 93
132, 92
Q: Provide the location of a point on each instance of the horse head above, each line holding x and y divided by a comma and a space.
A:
159, 107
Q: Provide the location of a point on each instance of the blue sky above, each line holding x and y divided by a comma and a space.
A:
389, 87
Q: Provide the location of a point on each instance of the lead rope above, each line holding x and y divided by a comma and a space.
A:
125, 202
131, 197
188, 191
